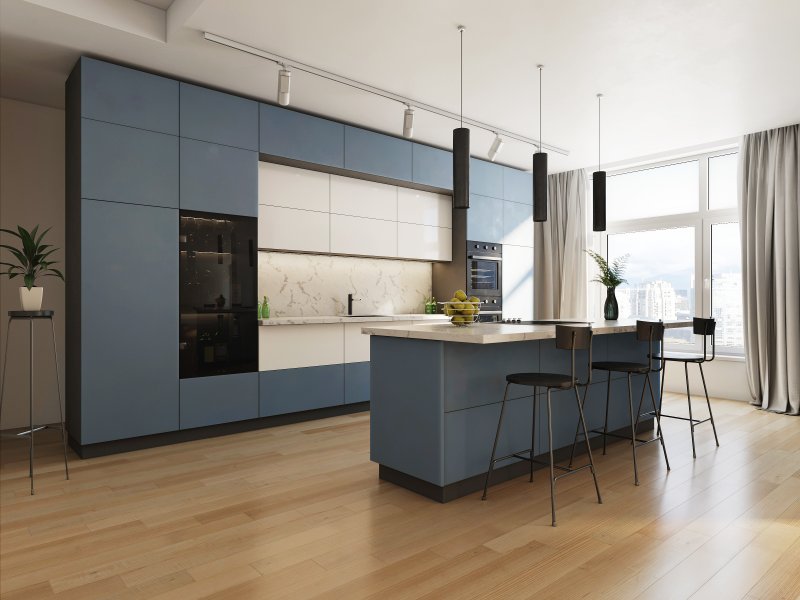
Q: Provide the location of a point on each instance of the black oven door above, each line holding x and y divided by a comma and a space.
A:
484, 275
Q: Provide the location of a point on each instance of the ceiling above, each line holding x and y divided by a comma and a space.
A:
675, 75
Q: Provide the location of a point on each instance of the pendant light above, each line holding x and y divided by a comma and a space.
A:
598, 185
461, 147
540, 168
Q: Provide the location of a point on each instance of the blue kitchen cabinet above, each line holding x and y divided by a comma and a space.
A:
216, 178
517, 185
376, 154
218, 399
126, 96
485, 219
128, 320
432, 166
125, 164
217, 117
356, 382
291, 134
485, 178
305, 388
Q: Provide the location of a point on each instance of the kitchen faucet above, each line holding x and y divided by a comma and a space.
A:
350, 301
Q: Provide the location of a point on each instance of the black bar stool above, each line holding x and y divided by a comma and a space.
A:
567, 338
650, 332
706, 328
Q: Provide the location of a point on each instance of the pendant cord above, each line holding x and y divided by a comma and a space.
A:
540, 110
598, 131
461, 32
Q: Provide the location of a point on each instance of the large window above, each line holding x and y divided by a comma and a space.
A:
677, 223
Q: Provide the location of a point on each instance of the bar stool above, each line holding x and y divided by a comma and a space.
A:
650, 332
706, 328
567, 338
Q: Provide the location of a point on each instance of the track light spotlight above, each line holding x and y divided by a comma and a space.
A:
284, 85
496, 147
408, 122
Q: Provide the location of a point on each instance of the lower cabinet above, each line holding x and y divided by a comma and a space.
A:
218, 399
356, 382
305, 388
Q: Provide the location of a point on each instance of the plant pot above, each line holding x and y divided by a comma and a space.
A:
611, 308
31, 299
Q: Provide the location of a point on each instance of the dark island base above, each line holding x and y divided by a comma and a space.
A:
199, 433
467, 486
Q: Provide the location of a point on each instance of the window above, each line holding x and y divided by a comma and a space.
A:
678, 224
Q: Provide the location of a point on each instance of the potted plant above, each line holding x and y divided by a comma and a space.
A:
32, 262
610, 276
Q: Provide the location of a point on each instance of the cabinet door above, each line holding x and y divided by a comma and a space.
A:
292, 134
432, 166
293, 346
485, 178
217, 117
359, 198
293, 188
517, 185
517, 224
125, 164
424, 242
377, 154
218, 399
518, 282
128, 320
485, 219
424, 208
295, 390
365, 237
292, 229
128, 97
356, 382
219, 179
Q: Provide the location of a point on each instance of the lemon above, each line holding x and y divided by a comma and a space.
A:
460, 295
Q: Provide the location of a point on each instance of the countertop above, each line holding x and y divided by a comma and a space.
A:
496, 333
320, 320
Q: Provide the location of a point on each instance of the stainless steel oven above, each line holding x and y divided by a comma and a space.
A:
484, 269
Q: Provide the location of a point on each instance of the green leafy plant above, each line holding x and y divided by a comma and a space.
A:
32, 261
610, 275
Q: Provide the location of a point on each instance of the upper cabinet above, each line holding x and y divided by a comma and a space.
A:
126, 96
424, 208
359, 198
290, 187
431, 166
217, 117
517, 185
517, 224
299, 136
377, 154
485, 219
485, 178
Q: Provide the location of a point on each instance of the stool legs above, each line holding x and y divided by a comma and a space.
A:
60, 410
533, 431
659, 431
689, 399
496, 438
605, 423
708, 402
633, 429
582, 422
552, 469
30, 401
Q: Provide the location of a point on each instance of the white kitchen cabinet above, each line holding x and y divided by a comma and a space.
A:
356, 344
518, 282
294, 346
289, 187
424, 242
424, 208
282, 228
368, 237
359, 198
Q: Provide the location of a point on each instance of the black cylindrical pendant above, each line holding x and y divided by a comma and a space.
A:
461, 167
599, 201
540, 186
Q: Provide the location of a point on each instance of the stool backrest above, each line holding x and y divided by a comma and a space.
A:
706, 328
650, 331
572, 337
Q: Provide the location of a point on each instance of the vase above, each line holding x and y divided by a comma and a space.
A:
31, 299
611, 308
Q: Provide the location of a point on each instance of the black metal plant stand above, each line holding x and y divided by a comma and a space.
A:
31, 316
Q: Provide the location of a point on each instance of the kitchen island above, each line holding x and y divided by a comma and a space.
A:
436, 392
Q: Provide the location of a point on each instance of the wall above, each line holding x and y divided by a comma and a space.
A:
312, 284
31, 192
724, 378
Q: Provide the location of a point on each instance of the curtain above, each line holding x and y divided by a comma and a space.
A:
559, 249
769, 179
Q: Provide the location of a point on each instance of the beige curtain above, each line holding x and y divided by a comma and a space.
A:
769, 180
559, 268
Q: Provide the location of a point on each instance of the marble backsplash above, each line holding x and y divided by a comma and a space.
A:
312, 284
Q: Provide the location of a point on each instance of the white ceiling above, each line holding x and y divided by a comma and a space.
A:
675, 74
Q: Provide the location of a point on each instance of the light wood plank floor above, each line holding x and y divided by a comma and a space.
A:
298, 512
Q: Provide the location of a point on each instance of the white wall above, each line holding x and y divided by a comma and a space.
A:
31, 193
724, 378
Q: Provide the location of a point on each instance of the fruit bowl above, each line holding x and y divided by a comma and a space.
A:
462, 314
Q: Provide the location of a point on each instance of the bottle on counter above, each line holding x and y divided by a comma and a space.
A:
265, 308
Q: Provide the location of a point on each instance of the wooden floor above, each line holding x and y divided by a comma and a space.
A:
298, 512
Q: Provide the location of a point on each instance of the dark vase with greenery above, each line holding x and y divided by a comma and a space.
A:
610, 276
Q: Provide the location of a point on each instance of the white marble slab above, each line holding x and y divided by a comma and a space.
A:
323, 319
496, 333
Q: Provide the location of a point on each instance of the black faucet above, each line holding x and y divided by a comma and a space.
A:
350, 301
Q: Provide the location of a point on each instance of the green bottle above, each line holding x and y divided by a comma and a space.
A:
265, 308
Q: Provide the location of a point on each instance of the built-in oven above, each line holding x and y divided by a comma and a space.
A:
485, 277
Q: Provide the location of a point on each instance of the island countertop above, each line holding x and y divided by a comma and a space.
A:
497, 333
